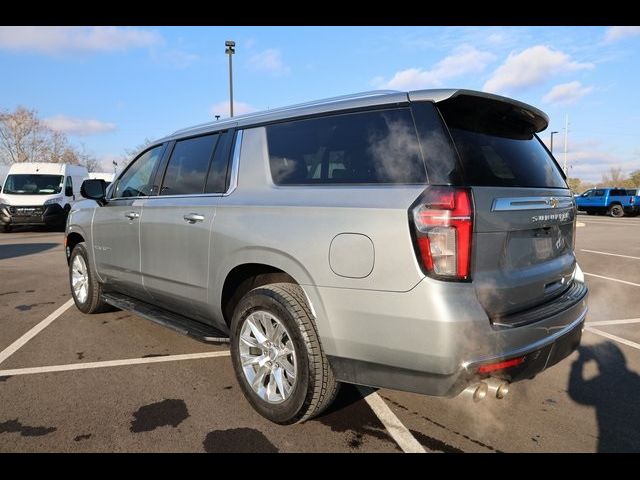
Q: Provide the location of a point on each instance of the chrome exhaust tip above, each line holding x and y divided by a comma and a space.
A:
476, 392
497, 388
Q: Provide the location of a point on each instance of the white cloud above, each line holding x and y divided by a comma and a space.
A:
463, 60
589, 159
270, 61
530, 67
78, 126
239, 108
614, 34
55, 40
567, 93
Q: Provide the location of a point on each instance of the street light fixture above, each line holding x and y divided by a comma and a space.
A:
230, 50
551, 144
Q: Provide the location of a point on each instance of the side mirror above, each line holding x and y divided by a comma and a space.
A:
95, 189
68, 191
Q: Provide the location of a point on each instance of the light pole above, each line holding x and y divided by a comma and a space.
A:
230, 50
551, 144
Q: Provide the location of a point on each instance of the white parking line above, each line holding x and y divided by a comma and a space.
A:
617, 223
602, 323
615, 338
15, 346
112, 363
402, 436
612, 279
612, 254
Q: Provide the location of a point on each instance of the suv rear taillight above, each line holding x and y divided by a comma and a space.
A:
442, 221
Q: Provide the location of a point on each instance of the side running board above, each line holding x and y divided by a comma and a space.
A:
186, 326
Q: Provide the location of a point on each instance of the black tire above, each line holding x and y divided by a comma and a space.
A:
315, 387
6, 228
93, 303
616, 211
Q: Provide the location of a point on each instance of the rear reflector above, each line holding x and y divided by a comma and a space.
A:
492, 367
443, 224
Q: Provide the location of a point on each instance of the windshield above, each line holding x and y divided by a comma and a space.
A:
33, 184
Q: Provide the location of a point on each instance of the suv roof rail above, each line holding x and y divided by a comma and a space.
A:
323, 101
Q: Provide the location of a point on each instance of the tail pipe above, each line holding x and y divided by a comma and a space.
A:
497, 387
492, 387
476, 392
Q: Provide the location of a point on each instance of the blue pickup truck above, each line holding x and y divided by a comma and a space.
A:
611, 201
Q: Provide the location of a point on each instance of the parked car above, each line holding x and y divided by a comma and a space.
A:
419, 241
39, 193
611, 201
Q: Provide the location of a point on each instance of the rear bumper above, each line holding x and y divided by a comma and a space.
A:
632, 210
537, 357
433, 338
50, 215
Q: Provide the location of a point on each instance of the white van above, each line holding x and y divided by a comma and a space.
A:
39, 193
107, 177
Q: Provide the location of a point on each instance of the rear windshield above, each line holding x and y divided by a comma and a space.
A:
497, 147
33, 184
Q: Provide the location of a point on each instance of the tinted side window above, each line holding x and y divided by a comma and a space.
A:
136, 180
598, 193
617, 193
354, 148
217, 177
187, 169
69, 184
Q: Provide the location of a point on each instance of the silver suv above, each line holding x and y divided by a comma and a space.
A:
417, 241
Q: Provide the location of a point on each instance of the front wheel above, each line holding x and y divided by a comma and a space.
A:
277, 356
616, 211
85, 288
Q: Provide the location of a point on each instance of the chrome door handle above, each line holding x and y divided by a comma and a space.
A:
193, 218
132, 215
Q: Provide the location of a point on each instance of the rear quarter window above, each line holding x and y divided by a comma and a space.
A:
373, 147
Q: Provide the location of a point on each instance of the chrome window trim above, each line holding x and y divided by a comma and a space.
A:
233, 180
531, 203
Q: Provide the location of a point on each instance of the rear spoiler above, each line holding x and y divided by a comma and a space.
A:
535, 119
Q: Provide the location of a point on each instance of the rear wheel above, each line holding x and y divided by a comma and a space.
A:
277, 356
616, 211
85, 288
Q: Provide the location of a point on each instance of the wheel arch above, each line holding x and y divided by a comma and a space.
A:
71, 240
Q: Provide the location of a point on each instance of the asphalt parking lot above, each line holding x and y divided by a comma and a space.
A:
114, 382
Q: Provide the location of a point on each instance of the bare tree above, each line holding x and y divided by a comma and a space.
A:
575, 184
87, 159
613, 178
23, 138
130, 153
634, 178
59, 150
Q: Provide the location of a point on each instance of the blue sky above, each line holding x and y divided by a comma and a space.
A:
111, 87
